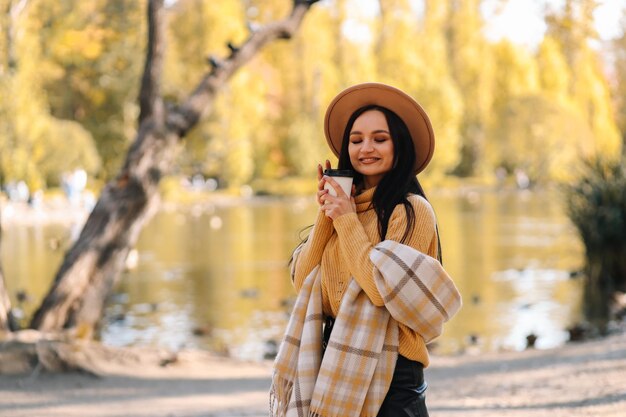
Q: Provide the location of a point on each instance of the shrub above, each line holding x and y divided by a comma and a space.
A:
596, 204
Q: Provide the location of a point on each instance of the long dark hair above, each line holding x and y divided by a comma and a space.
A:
396, 184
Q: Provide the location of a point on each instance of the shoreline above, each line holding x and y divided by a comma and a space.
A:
578, 379
56, 209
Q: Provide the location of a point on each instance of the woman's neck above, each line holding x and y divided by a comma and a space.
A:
370, 181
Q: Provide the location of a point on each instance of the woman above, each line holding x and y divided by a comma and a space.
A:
368, 270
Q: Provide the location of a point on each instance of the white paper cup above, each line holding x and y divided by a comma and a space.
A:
343, 178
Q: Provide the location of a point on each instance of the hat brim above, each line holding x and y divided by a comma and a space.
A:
360, 95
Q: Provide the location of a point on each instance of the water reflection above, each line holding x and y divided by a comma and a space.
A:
216, 276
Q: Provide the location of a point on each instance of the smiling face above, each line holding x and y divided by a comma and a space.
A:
371, 147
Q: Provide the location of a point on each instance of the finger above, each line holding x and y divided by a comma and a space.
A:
328, 164
337, 187
320, 172
320, 184
353, 193
320, 195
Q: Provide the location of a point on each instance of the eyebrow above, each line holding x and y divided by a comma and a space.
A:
356, 132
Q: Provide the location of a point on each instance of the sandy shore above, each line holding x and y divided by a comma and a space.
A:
587, 379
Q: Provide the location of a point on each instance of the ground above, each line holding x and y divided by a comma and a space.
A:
585, 379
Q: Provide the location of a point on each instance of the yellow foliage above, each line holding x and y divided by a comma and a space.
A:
88, 44
592, 97
82, 61
541, 137
554, 73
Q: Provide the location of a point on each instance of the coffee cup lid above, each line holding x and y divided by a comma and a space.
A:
339, 172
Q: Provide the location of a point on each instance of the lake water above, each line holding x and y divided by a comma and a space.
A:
215, 276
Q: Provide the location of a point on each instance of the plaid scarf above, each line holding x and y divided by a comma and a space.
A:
355, 372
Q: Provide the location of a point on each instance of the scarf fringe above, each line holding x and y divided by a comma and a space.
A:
280, 394
317, 414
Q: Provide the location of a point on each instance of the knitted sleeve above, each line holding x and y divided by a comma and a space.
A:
309, 255
355, 245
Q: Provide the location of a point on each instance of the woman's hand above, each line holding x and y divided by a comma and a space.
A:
321, 180
336, 206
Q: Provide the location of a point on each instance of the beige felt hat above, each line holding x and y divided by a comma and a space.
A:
360, 95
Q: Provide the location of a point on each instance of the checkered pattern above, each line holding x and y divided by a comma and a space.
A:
354, 375
416, 289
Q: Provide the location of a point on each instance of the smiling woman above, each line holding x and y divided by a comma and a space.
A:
370, 270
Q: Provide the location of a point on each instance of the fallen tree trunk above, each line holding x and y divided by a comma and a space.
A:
28, 352
91, 267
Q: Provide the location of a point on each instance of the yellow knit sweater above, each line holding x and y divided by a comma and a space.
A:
342, 249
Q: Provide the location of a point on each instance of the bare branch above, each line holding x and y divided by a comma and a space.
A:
233, 49
215, 62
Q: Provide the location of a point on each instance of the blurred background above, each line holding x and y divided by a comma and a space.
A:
519, 92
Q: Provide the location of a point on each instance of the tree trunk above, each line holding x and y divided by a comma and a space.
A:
91, 267
5, 307
13, 10
5, 301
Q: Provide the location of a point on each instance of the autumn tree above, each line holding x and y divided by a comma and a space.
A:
395, 49
35, 146
554, 72
470, 60
515, 76
619, 85
91, 56
197, 30
572, 29
536, 135
305, 76
438, 92
91, 267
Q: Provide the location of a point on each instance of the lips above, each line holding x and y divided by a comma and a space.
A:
368, 160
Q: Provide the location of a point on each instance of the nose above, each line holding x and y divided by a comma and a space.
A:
368, 145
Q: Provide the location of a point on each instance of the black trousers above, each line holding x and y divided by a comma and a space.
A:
407, 393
